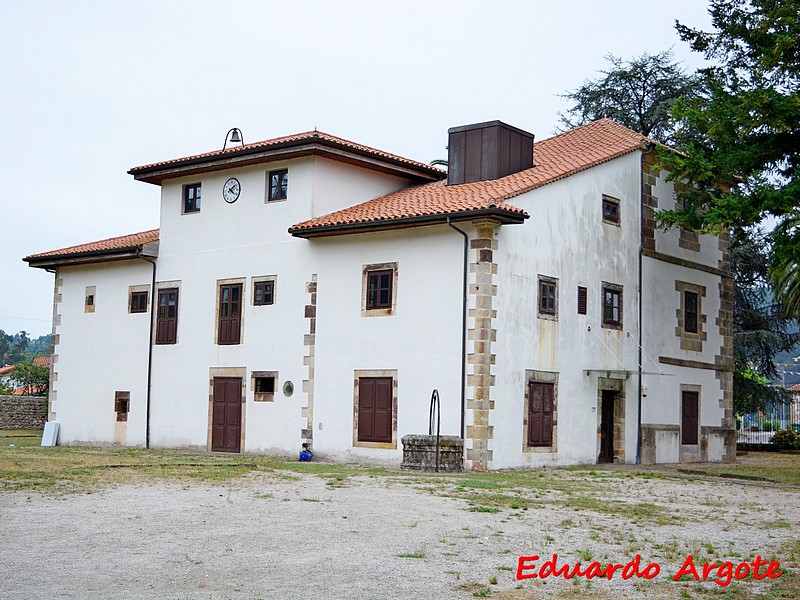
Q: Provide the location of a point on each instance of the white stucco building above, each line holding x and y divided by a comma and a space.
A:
308, 288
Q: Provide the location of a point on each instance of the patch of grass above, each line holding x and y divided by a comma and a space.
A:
585, 555
417, 554
778, 468
484, 509
505, 568
777, 524
637, 512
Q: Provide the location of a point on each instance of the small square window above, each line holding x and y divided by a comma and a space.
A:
265, 385
88, 303
610, 210
379, 289
138, 302
263, 293
278, 184
191, 198
612, 306
548, 296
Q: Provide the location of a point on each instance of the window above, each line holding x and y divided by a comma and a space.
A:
230, 314
138, 302
612, 305
610, 210
379, 290
581, 300
263, 292
690, 404
375, 409
540, 413
548, 296
122, 404
191, 198
88, 304
278, 184
264, 384
690, 311
167, 316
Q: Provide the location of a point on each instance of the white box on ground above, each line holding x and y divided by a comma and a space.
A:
50, 434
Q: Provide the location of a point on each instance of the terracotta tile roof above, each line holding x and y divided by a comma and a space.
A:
6, 370
794, 388
292, 140
123, 242
41, 361
554, 158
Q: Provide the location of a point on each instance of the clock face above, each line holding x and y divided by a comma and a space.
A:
231, 190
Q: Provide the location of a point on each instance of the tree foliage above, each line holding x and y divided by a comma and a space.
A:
638, 93
33, 379
761, 328
741, 137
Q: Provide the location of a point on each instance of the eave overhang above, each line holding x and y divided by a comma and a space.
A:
503, 217
53, 261
313, 146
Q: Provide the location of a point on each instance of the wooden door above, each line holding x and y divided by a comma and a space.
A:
607, 427
226, 415
540, 413
375, 409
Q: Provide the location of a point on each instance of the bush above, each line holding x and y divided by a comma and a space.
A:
786, 439
768, 426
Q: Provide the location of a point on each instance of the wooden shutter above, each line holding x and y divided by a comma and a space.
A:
689, 417
690, 316
540, 414
230, 314
167, 321
581, 300
375, 409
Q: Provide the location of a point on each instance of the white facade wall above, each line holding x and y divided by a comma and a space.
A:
99, 353
566, 238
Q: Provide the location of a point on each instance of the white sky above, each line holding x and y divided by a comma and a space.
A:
90, 89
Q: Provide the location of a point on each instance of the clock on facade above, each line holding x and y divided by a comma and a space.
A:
231, 190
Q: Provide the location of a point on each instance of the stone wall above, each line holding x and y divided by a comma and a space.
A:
23, 412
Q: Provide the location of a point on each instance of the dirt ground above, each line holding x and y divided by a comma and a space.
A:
286, 535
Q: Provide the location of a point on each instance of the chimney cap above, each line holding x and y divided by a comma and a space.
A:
486, 124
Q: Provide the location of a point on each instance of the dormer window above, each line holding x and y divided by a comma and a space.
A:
278, 184
191, 198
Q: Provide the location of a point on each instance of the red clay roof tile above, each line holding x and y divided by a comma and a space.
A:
123, 242
554, 158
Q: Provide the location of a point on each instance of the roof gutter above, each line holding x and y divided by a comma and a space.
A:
504, 216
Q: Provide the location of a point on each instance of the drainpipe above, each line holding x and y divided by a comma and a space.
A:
150, 350
463, 329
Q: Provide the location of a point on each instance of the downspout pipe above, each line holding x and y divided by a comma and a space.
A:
153, 300
463, 329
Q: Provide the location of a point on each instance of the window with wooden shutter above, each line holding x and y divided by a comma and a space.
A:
375, 409
581, 300
540, 413
167, 316
690, 311
690, 409
230, 314
548, 296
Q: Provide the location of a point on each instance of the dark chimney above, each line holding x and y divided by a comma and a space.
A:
485, 151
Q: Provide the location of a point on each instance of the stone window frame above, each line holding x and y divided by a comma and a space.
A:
138, 289
89, 299
358, 374
544, 314
263, 396
685, 387
534, 376
264, 279
689, 340
378, 312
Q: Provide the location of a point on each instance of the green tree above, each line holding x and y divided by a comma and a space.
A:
34, 379
761, 329
741, 138
638, 93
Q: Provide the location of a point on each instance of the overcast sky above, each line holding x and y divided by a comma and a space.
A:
90, 89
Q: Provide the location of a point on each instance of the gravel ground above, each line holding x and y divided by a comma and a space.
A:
300, 536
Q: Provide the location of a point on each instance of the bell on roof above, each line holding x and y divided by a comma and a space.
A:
234, 136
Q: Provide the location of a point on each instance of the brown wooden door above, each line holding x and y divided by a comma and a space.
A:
689, 417
540, 414
607, 427
226, 419
375, 409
